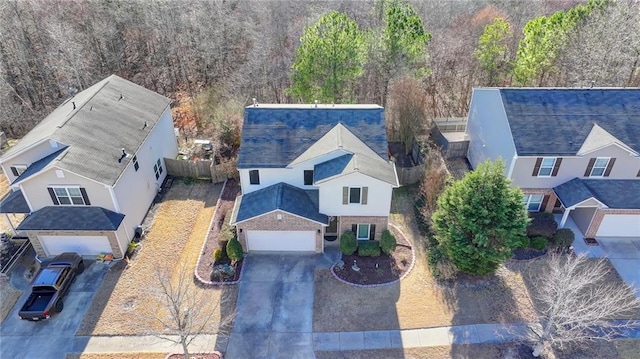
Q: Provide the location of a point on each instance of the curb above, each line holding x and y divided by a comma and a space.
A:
403, 276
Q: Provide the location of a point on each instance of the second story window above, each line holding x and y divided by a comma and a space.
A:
18, 169
157, 168
599, 167
354, 195
546, 166
254, 177
308, 177
69, 196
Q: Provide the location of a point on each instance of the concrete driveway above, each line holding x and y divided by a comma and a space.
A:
52, 338
624, 254
274, 311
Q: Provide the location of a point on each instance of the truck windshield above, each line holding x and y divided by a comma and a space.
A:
43, 288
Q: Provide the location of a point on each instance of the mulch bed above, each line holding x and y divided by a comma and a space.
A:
390, 267
196, 356
527, 253
227, 199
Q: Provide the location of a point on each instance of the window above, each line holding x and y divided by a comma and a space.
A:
18, 169
308, 177
533, 202
157, 168
135, 163
254, 177
599, 167
354, 195
546, 166
69, 196
363, 232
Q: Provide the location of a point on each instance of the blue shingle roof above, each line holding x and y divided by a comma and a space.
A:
14, 203
281, 196
39, 165
78, 218
273, 137
557, 121
611, 192
331, 168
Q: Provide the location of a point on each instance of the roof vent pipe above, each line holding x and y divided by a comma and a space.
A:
255, 102
124, 154
316, 103
121, 97
74, 104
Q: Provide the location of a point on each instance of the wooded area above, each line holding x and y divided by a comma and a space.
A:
218, 55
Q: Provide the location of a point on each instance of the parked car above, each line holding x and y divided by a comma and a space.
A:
50, 286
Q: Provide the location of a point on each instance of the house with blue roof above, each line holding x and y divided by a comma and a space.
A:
311, 172
574, 151
83, 179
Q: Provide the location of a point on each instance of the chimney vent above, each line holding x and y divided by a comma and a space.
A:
255, 102
145, 125
121, 97
124, 154
74, 104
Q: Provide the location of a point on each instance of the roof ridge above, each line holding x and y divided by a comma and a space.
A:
74, 112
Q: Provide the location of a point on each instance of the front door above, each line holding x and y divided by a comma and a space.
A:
332, 228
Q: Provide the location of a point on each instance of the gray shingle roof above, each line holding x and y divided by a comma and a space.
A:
108, 116
611, 192
78, 218
331, 168
37, 166
14, 203
346, 164
557, 121
275, 135
281, 196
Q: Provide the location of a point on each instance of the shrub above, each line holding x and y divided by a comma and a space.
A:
538, 243
217, 256
369, 249
387, 242
227, 232
348, 243
441, 267
525, 242
542, 224
563, 238
234, 250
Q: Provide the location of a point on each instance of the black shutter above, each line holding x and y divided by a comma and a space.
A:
354, 229
536, 168
345, 195
609, 167
364, 194
543, 206
15, 171
372, 232
84, 196
556, 167
638, 175
589, 167
54, 199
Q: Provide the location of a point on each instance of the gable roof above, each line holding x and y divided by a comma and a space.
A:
599, 138
355, 163
14, 203
96, 124
554, 121
76, 218
610, 192
273, 136
280, 196
38, 165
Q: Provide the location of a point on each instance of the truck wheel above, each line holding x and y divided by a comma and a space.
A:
80, 268
59, 306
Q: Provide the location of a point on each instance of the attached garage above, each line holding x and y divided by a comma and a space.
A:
281, 241
84, 245
619, 225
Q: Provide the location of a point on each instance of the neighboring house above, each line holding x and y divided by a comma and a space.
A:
87, 174
574, 151
312, 171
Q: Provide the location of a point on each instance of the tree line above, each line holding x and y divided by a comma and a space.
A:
220, 54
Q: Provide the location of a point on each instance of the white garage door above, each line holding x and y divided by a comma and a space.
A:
619, 225
84, 245
304, 241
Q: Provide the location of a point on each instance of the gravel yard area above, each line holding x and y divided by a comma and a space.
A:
118, 356
8, 297
126, 301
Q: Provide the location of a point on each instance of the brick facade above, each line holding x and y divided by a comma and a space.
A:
37, 246
345, 223
546, 192
599, 216
286, 222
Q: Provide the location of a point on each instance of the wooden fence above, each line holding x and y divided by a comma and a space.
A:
201, 169
409, 175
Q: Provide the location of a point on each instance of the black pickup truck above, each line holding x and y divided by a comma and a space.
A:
50, 286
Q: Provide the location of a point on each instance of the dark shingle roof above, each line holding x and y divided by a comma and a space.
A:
78, 218
96, 124
274, 135
281, 196
611, 192
557, 121
331, 168
14, 203
37, 166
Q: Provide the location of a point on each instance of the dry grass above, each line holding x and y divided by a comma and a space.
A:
117, 356
8, 297
126, 302
475, 351
418, 301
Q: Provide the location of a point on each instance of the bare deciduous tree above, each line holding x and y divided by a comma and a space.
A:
579, 303
185, 311
406, 111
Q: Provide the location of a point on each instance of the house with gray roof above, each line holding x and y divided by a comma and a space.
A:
311, 172
86, 175
574, 151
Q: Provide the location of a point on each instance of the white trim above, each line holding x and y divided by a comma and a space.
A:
278, 210
604, 170
26, 199
349, 195
553, 165
368, 231
512, 165
112, 193
588, 199
527, 201
34, 144
66, 188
